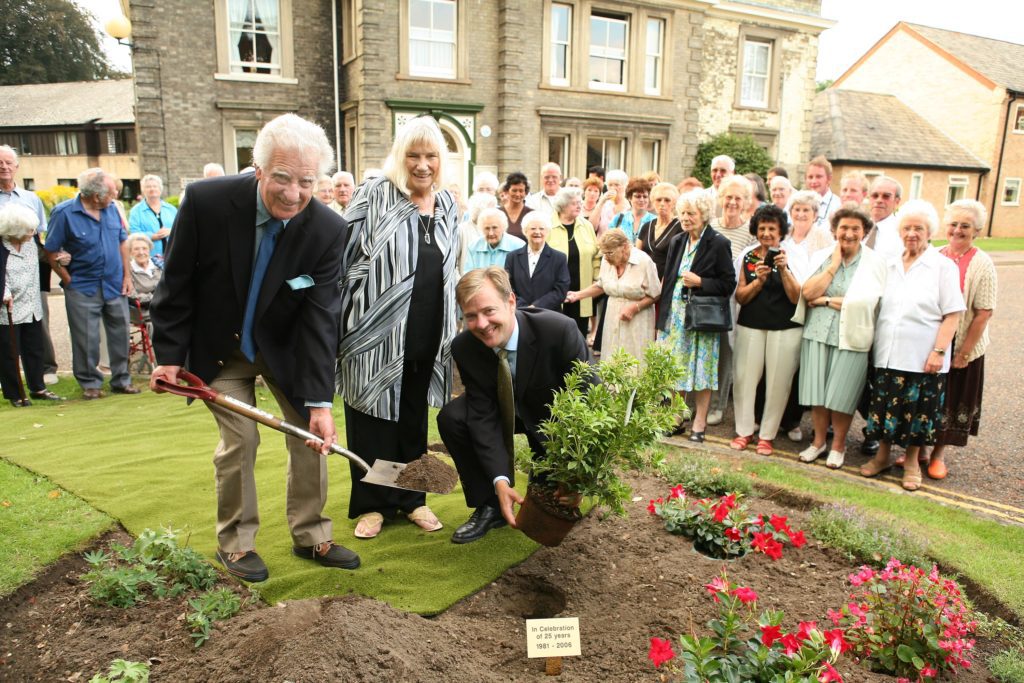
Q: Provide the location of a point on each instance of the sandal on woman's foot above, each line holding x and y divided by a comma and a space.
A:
740, 442
697, 437
369, 525
764, 447
873, 468
425, 519
912, 480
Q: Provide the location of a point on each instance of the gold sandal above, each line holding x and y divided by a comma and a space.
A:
425, 519
872, 468
369, 525
912, 480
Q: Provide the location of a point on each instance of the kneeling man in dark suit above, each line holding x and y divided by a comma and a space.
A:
511, 363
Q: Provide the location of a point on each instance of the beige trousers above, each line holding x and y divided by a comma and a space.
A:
776, 355
234, 463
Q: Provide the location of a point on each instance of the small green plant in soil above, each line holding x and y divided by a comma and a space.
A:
864, 538
123, 671
1008, 666
703, 477
209, 607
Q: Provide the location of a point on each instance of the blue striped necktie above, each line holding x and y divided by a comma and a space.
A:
259, 269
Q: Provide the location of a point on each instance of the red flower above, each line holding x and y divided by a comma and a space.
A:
733, 534
660, 652
717, 585
836, 641
804, 628
720, 512
829, 674
835, 616
790, 644
759, 540
769, 634
796, 538
928, 672
650, 508
778, 522
746, 595
677, 492
773, 549
729, 501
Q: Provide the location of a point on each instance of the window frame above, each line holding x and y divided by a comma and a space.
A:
1002, 195
774, 39
629, 20
67, 140
624, 149
1017, 124
641, 142
566, 163
351, 45
918, 180
222, 26
960, 182
659, 75
461, 55
550, 43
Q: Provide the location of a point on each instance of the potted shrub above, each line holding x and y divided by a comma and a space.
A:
605, 419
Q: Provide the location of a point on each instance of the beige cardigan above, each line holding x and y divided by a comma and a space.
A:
979, 294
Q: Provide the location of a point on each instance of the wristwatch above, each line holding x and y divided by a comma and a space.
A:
941, 352
828, 301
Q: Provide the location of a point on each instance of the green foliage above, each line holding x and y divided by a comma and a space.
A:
174, 200
823, 85
123, 671
53, 196
597, 428
1008, 666
863, 538
120, 586
749, 156
49, 41
703, 477
210, 607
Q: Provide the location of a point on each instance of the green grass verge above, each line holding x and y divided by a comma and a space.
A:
989, 553
147, 461
703, 478
1008, 666
863, 537
991, 244
39, 522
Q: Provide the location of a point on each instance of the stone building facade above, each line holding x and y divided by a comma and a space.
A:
632, 84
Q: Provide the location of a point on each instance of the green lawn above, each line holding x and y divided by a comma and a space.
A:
993, 243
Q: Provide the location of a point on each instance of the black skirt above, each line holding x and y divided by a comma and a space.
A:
962, 414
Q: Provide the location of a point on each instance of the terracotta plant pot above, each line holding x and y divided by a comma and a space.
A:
542, 518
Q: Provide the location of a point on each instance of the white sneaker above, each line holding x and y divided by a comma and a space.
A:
51, 378
795, 434
715, 417
812, 452
835, 459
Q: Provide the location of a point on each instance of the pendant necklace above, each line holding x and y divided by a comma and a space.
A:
425, 224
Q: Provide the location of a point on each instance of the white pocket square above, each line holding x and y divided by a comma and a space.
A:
300, 282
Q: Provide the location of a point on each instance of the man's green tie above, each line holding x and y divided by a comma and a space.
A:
507, 407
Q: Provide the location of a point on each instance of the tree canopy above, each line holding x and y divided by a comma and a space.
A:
49, 41
749, 156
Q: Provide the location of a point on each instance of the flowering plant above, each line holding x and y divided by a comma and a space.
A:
721, 527
907, 622
744, 647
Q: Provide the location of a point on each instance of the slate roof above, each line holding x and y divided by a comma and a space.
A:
67, 104
852, 126
999, 60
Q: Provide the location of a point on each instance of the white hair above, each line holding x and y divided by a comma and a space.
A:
618, 176
485, 177
806, 198
17, 220
293, 133
150, 178
212, 169
493, 213
744, 185
422, 130
783, 180
536, 217
343, 174
919, 208
139, 237
92, 182
699, 200
479, 201
8, 148
728, 160
971, 206
564, 197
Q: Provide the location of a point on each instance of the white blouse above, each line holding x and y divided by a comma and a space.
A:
913, 305
22, 283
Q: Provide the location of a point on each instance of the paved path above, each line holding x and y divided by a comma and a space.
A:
989, 469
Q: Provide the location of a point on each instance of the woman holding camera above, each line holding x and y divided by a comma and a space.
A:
767, 340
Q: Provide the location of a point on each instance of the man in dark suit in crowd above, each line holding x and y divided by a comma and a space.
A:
250, 287
540, 347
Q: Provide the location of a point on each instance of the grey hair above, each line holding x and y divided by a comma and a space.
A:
293, 133
8, 148
564, 197
921, 209
139, 237
480, 201
806, 198
536, 217
343, 174
551, 164
487, 213
888, 179
746, 188
729, 161
150, 178
483, 176
618, 176
783, 180
17, 220
971, 206
93, 183
699, 200
212, 169
422, 130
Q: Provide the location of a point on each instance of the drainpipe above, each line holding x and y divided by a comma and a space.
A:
337, 104
1013, 97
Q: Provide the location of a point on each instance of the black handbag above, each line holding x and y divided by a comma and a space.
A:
708, 314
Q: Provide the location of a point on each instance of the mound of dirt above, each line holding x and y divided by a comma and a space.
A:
626, 579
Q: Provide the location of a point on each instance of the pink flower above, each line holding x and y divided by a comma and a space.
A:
769, 634
717, 585
746, 595
928, 672
829, 674
660, 652
865, 574
790, 644
835, 616
733, 534
677, 492
836, 641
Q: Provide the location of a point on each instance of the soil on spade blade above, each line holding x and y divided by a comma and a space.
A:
626, 579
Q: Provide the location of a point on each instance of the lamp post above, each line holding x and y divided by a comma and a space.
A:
119, 28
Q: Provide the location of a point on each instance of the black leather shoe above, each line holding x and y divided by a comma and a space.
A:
483, 519
328, 554
869, 447
697, 437
45, 395
21, 403
248, 567
127, 389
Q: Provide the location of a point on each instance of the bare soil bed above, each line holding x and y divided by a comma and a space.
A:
626, 579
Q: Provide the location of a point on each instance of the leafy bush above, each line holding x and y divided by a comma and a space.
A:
864, 539
749, 156
174, 200
1008, 666
703, 478
123, 671
53, 196
210, 607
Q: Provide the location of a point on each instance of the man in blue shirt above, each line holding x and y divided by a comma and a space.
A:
95, 282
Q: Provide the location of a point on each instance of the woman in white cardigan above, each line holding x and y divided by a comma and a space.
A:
842, 295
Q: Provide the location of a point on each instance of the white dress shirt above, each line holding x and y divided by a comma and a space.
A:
532, 257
